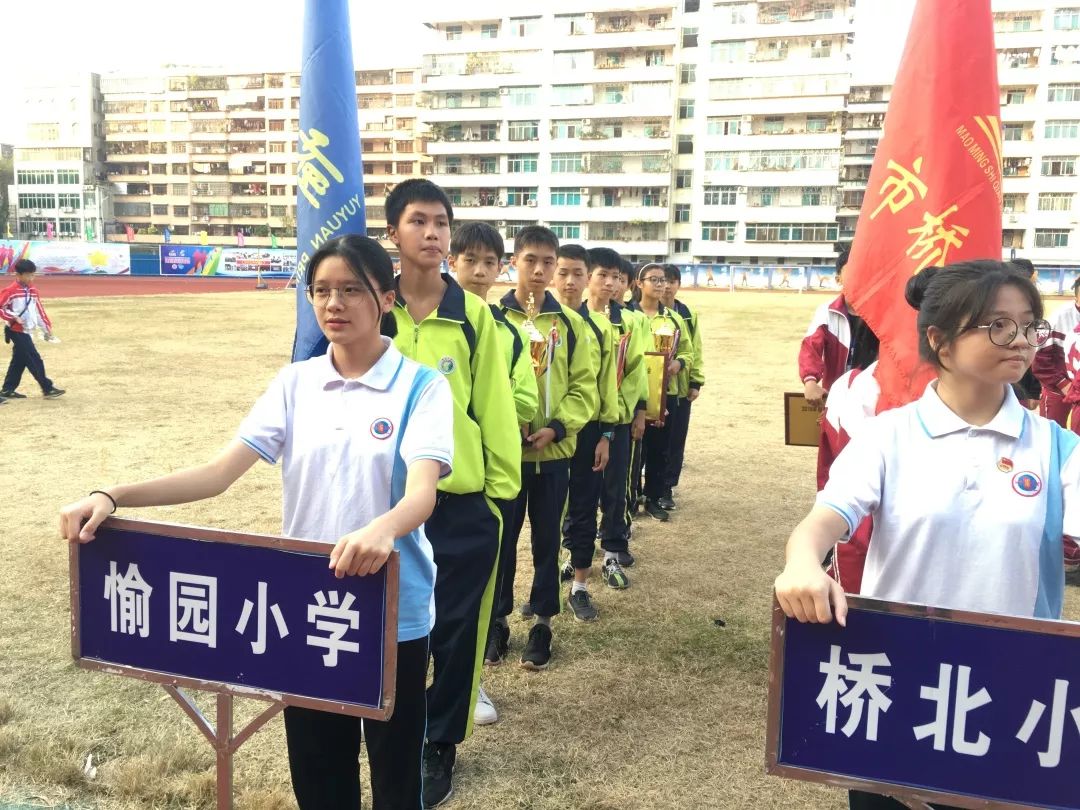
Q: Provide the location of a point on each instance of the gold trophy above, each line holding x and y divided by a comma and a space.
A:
538, 344
665, 339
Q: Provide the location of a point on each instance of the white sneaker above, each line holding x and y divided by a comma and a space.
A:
484, 714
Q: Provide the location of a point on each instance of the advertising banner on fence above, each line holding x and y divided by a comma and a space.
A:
249, 614
67, 257
195, 260
955, 708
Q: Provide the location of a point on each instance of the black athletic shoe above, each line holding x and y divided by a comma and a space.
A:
566, 573
498, 644
12, 395
614, 576
625, 559
438, 773
53, 393
655, 511
526, 610
666, 503
581, 604
538, 649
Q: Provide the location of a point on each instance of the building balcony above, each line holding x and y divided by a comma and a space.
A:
468, 147
791, 29
787, 140
623, 144
780, 105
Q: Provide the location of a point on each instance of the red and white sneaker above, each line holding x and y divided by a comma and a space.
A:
1072, 555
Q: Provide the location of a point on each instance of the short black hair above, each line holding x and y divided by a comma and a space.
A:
1024, 264
575, 253
627, 269
474, 236
673, 273
606, 257
535, 235
843, 253
414, 190
954, 297
25, 266
369, 262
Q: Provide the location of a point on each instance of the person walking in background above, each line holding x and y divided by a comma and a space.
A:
22, 312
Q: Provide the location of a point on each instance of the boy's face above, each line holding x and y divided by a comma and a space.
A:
571, 278
602, 283
671, 291
619, 285
535, 265
422, 235
476, 269
26, 279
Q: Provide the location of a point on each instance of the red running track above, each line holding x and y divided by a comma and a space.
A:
78, 286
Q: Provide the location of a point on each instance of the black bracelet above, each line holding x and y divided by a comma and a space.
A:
107, 495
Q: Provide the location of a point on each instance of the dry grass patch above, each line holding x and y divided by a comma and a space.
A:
654, 706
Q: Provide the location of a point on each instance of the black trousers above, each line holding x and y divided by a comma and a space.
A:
24, 357
579, 528
679, 429
464, 534
507, 542
543, 495
324, 748
656, 448
633, 483
615, 522
860, 800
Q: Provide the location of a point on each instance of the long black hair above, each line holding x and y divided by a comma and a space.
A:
369, 262
954, 297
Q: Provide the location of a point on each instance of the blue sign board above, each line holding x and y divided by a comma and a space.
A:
253, 615
955, 708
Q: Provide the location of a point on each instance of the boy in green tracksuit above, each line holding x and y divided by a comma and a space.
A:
572, 272
442, 326
632, 331
625, 289
652, 282
559, 349
691, 379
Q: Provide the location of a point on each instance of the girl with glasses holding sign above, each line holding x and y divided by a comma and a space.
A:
348, 427
970, 492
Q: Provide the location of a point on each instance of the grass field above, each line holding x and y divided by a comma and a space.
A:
654, 706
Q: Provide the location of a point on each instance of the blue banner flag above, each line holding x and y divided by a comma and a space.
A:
329, 172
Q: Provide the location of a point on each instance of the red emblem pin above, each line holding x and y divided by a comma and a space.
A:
1005, 464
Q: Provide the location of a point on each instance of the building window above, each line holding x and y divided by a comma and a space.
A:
684, 144
567, 162
521, 196
686, 108
689, 37
1058, 166
1061, 129
687, 74
521, 164
682, 212
718, 231
522, 96
728, 52
579, 60
812, 195
160, 210
37, 201
720, 195
67, 177
821, 49
723, 126
1051, 238
453, 32
489, 31
684, 178
655, 59
37, 177
1055, 201
1015, 97
690, 6
524, 130
792, 232
276, 147
570, 94
1012, 132
817, 123
1067, 19
1063, 92
773, 125
524, 26
680, 245
651, 198
565, 196
566, 230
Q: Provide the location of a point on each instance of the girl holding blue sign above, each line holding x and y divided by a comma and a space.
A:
364, 435
970, 492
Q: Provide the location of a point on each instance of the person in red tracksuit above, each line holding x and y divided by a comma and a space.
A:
823, 357
1057, 362
22, 312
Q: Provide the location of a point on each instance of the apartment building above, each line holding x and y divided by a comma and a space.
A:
216, 152
1038, 46
59, 187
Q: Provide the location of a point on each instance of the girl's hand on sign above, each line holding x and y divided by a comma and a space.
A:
79, 520
362, 552
806, 593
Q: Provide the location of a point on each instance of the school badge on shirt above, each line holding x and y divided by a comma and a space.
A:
447, 365
1005, 464
382, 428
1027, 484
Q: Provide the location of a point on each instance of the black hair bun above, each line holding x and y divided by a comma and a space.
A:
917, 284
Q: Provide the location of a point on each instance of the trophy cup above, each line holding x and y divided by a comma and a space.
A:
665, 339
538, 344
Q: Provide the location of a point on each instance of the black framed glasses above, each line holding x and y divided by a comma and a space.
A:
659, 281
1003, 331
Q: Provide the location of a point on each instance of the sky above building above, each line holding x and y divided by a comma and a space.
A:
65, 36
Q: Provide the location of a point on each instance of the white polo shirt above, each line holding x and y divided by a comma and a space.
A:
345, 447
965, 517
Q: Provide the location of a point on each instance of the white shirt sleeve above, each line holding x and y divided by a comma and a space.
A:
429, 432
264, 428
856, 477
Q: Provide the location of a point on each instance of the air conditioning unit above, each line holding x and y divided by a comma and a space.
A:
36, 212
501, 203
531, 203
68, 210
742, 189
586, 122
504, 91
584, 191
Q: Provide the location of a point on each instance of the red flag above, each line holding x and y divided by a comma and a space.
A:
934, 194
130, 233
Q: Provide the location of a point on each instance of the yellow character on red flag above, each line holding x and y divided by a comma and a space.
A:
934, 194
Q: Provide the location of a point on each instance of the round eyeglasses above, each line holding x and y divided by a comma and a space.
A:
349, 294
1003, 331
